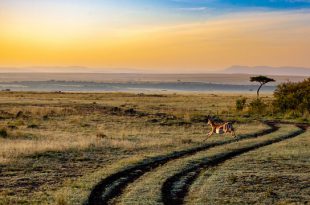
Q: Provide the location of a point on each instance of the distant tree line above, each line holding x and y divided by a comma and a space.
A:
291, 100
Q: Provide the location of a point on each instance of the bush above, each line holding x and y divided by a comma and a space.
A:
240, 104
257, 107
101, 135
293, 97
3, 133
33, 126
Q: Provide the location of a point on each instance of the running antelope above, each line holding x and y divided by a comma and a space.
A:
222, 128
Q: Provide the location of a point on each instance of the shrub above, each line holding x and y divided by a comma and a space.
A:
257, 107
293, 97
45, 117
101, 135
19, 114
33, 126
240, 104
3, 133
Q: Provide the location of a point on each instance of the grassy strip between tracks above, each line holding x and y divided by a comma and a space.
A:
276, 174
147, 190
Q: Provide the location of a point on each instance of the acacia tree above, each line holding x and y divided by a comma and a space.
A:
262, 80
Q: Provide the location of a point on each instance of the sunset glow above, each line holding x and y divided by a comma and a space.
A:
167, 35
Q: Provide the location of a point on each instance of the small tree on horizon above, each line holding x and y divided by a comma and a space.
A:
262, 80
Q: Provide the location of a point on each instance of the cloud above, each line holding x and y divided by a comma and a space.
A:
193, 9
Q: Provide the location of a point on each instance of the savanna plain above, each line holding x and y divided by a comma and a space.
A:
136, 148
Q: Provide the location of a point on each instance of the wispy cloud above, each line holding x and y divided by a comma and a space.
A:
193, 9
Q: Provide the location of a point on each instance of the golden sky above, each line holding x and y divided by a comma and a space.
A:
192, 39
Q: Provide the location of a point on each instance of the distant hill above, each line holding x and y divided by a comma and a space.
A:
266, 70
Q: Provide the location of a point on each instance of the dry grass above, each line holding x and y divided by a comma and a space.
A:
276, 174
147, 189
85, 183
61, 127
15, 148
54, 138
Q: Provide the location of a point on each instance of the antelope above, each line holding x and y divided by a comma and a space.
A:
222, 128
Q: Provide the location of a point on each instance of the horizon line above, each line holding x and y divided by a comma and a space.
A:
141, 73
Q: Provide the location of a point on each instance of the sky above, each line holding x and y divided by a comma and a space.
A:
154, 35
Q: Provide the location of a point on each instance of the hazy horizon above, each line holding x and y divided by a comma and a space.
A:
235, 69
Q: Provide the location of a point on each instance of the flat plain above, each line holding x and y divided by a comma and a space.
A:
127, 148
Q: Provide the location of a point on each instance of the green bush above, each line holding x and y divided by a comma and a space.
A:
240, 104
258, 107
293, 98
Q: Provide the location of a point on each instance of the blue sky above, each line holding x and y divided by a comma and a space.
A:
270, 4
218, 4
195, 7
189, 10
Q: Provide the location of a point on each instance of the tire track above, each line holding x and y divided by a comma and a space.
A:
175, 188
112, 186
